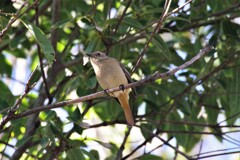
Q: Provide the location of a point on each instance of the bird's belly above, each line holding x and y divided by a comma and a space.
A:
109, 79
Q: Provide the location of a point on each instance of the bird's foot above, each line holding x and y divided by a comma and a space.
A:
122, 87
106, 91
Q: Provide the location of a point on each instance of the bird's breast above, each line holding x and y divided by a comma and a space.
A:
109, 75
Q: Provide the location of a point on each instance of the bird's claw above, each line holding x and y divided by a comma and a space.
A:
122, 87
106, 91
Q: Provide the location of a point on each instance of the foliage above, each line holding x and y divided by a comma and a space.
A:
53, 36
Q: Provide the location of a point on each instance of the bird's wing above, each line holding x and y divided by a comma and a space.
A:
134, 93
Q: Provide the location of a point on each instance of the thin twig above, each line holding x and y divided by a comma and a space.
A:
214, 151
12, 20
161, 145
215, 155
14, 108
230, 117
157, 28
178, 8
41, 60
195, 124
200, 149
166, 142
6, 144
176, 153
119, 154
16, 16
139, 146
121, 18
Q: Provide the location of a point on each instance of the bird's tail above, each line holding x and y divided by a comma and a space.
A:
123, 99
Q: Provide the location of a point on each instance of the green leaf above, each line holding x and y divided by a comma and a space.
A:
78, 129
89, 154
95, 154
152, 10
132, 22
23, 141
163, 48
44, 142
181, 138
183, 105
36, 75
6, 94
51, 114
42, 40
111, 21
76, 143
3, 22
5, 67
75, 154
192, 140
18, 41
150, 157
178, 19
109, 110
147, 130
234, 99
76, 115
56, 130
3, 106
92, 45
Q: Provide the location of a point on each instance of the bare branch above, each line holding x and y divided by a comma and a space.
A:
214, 155
215, 151
178, 8
174, 148
119, 154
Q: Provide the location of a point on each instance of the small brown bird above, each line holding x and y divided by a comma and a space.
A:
110, 73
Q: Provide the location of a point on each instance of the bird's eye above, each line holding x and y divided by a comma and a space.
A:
99, 54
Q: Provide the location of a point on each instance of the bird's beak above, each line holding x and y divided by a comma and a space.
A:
89, 55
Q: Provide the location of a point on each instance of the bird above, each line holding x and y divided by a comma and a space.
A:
110, 74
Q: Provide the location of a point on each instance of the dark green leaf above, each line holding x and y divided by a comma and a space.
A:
75, 154
147, 130
3, 106
51, 114
234, 110
5, 66
42, 40
55, 129
181, 138
132, 22
23, 141
89, 154
150, 157
6, 95
36, 75
95, 154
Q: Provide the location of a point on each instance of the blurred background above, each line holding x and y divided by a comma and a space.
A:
194, 114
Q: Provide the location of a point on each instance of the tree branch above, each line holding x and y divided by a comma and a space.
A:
15, 107
41, 60
16, 16
151, 78
121, 18
119, 153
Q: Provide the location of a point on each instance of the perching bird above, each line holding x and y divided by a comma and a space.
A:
110, 73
